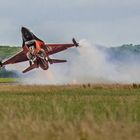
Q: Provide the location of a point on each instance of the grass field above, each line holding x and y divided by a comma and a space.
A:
9, 80
69, 112
7, 51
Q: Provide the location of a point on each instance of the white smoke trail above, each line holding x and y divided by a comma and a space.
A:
88, 64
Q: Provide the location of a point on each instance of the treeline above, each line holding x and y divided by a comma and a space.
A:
7, 73
5, 52
135, 49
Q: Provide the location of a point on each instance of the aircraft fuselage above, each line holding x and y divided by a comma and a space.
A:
35, 54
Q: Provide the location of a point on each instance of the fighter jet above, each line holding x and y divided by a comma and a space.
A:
37, 52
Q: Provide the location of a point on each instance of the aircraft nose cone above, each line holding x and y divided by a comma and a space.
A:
23, 29
26, 34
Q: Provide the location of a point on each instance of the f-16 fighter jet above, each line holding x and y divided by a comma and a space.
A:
37, 52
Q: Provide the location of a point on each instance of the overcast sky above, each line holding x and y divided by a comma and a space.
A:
107, 22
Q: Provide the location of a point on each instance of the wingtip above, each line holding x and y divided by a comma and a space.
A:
75, 42
1, 64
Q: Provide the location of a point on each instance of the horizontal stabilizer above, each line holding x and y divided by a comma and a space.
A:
56, 61
30, 68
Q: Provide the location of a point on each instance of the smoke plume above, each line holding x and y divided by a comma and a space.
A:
88, 63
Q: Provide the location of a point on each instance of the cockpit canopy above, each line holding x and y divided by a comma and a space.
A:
26, 34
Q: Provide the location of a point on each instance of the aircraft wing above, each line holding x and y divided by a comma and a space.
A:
54, 48
19, 57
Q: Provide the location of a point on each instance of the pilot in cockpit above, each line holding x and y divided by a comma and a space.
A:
32, 49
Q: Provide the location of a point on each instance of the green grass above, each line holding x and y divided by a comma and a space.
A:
8, 80
7, 51
69, 112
